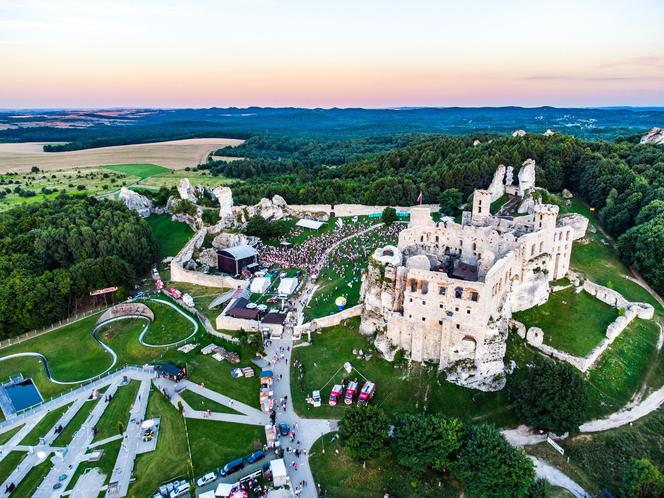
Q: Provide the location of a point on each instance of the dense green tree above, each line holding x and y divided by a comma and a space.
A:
257, 226
363, 431
551, 397
641, 479
489, 467
450, 200
539, 489
389, 215
423, 441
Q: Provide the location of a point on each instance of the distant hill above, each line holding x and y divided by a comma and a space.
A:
101, 127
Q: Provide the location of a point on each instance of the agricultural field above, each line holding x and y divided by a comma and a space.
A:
177, 154
171, 178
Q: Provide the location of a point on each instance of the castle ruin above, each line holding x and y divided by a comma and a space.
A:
445, 294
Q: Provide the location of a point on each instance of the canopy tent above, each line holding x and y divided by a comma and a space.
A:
223, 490
260, 285
311, 224
287, 286
279, 474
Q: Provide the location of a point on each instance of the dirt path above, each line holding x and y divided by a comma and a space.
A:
554, 476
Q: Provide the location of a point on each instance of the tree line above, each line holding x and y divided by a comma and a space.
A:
623, 181
53, 253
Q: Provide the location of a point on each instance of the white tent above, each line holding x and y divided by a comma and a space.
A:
260, 285
287, 286
312, 224
279, 474
223, 490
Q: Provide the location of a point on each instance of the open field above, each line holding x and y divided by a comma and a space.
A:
214, 444
572, 322
142, 171
170, 236
198, 402
172, 154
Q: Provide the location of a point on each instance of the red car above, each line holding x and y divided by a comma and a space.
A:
336, 394
174, 293
350, 392
366, 393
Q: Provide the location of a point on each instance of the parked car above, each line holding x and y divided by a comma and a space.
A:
231, 467
181, 490
255, 456
283, 429
336, 394
350, 392
315, 399
366, 393
206, 479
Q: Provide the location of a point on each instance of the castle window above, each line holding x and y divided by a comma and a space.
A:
411, 299
425, 287
542, 246
424, 318
442, 290
421, 238
441, 306
440, 322
458, 326
532, 250
458, 292
468, 311
456, 309
410, 316
424, 303
474, 246
566, 235
461, 243
475, 296
436, 238
479, 209
413, 286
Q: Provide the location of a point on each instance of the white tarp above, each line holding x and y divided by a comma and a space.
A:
223, 490
260, 285
287, 286
312, 224
279, 475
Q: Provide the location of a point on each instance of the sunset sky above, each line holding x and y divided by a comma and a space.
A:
314, 53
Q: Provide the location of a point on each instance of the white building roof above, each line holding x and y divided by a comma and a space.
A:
240, 252
278, 467
223, 489
287, 285
260, 284
313, 224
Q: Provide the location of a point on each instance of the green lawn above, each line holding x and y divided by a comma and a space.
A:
67, 434
171, 236
9, 463
171, 178
398, 390
198, 402
214, 444
341, 477
142, 171
168, 326
118, 410
168, 461
105, 464
44, 425
27, 487
572, 322
203, 296
498, 203
6, 436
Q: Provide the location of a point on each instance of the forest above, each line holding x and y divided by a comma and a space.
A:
623, 181
53, 253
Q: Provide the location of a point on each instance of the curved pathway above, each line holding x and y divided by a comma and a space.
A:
108, 349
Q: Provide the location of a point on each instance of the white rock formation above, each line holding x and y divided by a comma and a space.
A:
227, 239
654, 136
476, 143
509, 176
567, 194
225, 197
578, 223
549, 132
186, 191
497, 187
136, 202
208, 257
519, 133
526, 177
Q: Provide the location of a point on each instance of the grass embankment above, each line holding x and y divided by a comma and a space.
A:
141, 171
64, 438
9, 463
214, 444
170, 236
44, 425
6, 436
27, 487
105, 464
201, 403
168, 461
118, 410
572, 322
203, 296
401, 389
168, 326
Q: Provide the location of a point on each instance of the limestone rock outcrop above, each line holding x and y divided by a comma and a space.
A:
519, 133
497, 187
208, 257
578, 223
549, 132
224, 196
526, 177
654, 136
228, 239
187, 191
136, 202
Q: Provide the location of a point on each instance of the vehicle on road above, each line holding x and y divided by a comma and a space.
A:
178, 388
181, 490
366, 393
231, 467
283, 429
255, 456
315, 399
206, 479
335, 394
350, 392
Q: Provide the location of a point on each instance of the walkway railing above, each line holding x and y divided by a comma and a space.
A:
74, 392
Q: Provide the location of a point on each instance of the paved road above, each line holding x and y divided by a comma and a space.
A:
551, 474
